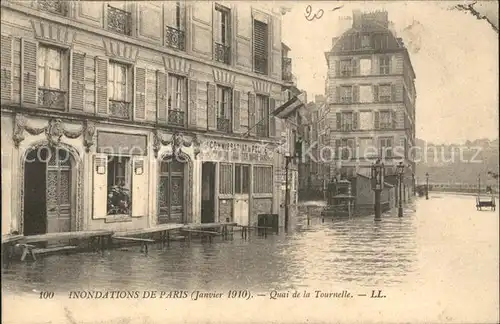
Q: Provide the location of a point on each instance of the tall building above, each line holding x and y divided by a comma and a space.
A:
124, 115
371, 99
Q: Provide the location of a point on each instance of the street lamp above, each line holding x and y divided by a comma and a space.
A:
414, 183
401, 170
427, 186
378, 173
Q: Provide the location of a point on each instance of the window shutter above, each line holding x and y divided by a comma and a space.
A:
162, 97
393, 119
30, 71
251, 113
272, 119
338, 94
211, 107
375, 93
100, 186
101, 91
337, 68
140, 94
355, 118
338, 117
139, 186
355, 94
377, 120
355, 66
6, 68
193, 102
236, 111
393, 93
77, 88
261, 51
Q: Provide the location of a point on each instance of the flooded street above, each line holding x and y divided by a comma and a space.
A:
442, 253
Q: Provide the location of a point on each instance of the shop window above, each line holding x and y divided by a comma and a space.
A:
242, 178
263, 179
119, 180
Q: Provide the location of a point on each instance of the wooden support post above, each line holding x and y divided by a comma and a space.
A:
27, 250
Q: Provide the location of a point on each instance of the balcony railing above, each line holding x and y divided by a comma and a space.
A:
119, 21
54, 6
385, 125
224, 125
175, 38
346, 128
286, 69
222, 53
51, 98
176, 117
262, 130
260, 64
120, 109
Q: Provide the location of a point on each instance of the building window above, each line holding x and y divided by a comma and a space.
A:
385, 145
119, 180
175, 36
119, 19
384, 93
365, 41
346, 94
241, 178
51, 87
222, 29
53, 6
365, 66
366, 148
226, 178
119, 106
263, 179
348, 148
262, 116
176, 103
224, 111
365, 93
347, 121
345, 67
385, 64
385, 120
260, 47
365, 120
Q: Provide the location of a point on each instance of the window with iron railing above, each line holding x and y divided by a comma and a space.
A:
176, 102
385, 147
53, 6
119, 20
262, 116
347, 122
385, 64
385, 120
260, 48
51, 82
286, 69
224, 111
346, 94
345, 68
119, 103
384, 93
222, 34
175, 36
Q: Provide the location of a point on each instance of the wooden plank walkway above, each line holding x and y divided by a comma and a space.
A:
11, 238
65, 236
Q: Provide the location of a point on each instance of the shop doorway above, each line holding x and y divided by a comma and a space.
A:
208, 192
172, 191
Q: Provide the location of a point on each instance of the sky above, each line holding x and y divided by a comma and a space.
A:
454, 55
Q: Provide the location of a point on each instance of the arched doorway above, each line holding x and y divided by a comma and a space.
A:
48, 191
172, 191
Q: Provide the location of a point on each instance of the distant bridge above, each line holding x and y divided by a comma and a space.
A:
459, 187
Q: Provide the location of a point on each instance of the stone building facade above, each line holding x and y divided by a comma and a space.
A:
124, 115
370, 100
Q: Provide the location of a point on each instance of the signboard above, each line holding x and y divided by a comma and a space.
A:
121, 144
229, 151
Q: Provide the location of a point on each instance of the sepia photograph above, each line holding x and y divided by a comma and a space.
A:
249, 162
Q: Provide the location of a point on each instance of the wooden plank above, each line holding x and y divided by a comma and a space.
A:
133, 239
54, 249
151, 230
65, 236
208, 225
203, 232
10, 238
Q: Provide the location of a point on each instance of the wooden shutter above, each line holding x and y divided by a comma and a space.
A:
251, 113
140, 93
161, 101
338, 117
30, 71
393, 119
337, 68
77, 88
355, 118
393, 93
355, 94
101, 85
139, 186
375, 93
377, 120
211, 107
272, 119
236, 111
261, 40
355, 66
193, 102
338, 94
6, 68
100, 186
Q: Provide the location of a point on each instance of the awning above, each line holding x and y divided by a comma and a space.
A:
284, 111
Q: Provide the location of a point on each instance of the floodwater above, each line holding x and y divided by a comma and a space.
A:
439, 263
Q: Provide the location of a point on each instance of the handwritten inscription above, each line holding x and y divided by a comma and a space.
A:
319, 13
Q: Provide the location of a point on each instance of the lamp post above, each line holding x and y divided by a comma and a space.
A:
427, 186
414, 183
288, 159
400, 168
377, 186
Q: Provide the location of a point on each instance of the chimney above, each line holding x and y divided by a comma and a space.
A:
356, 18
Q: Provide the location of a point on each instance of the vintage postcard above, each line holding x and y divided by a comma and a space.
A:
249, 162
